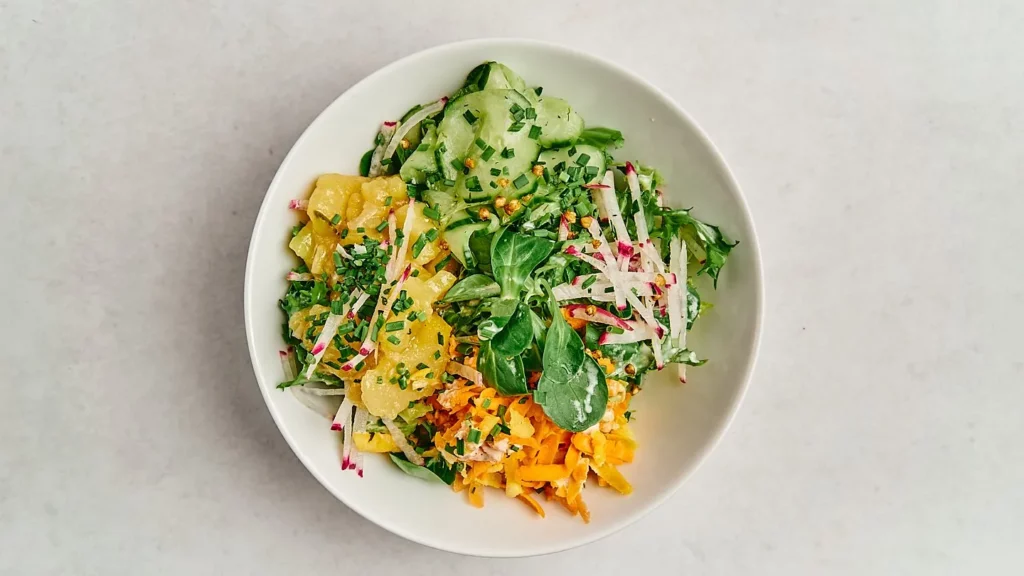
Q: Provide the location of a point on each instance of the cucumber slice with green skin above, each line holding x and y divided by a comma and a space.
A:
497, 152
559, 123
421, 161
559, 161
458, 239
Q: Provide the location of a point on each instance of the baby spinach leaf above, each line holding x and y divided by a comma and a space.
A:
416, 471
480, 248
578, 402
517, 334
514, 256
475, 287
501, 312
505, 374
563, 349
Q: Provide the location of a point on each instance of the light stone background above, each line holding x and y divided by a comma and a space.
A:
880, 147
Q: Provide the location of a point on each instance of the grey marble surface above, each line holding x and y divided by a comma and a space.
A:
880, 146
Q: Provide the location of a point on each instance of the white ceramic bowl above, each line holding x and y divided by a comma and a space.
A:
677, 425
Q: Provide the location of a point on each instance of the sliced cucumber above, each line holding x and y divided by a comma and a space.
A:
498, 152
559, 123
421, 161
455, 135
579, 162
501, 77
458, 240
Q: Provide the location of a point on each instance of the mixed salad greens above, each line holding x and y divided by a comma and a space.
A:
485, 298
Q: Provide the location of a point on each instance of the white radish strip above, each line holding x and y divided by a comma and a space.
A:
599, 264
387, 130
368, 344
629, 277
297, 277
323, 391
359, 422
298, 205
341, 418
611, 204
596, 315
466, 372
659, 358
642, 235
392, 226
324, 340
344, 253
641, 331
406, 231
360, 300
683, 304
599, 291
288, 363
611, 271
414, 120
563, 230
402, 443
598, 199
674, 317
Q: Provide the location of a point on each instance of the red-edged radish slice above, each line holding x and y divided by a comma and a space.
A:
299, 277
387, 130
344, 253
298, 204
360, 300
392, 227
324, 340
402, 443
414, 120
611, 271
359, 423
563, 230
592, 313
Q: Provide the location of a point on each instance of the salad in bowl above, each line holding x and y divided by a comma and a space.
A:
483, 301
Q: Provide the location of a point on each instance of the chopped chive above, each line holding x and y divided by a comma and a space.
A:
572, 151
516, 127
437, 354
336, 307
523, 399
422, 147
382, 226
583, 159
473, 436
431, 234
521, 181
388, 200
492, 183
486, 155
394, 340
394, 326
589, 282
501, 411
360, 230
418, 246
458, 164
538, 90
590, 171
495, 172
535, 132
469, 116
430, 374
431, 213
337, 260
473, 184
508, 153
449, 183
385, 161
487, 403
442, 148
336, 219
494, 431
515, 108
440, 339
531, 113
460, 447
421, 366
481, 144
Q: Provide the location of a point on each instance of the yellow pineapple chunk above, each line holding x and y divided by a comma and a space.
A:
385, 398
373, 210
331, 196
299, 324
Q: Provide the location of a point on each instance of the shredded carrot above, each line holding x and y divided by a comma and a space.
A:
531, 503
544, 472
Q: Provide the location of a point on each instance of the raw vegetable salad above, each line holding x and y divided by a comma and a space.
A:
484, 300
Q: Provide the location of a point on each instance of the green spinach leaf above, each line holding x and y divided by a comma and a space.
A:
504, 373
514, 256
475, 287
563, 349
517, 334
415, 471
578, 402
480, 247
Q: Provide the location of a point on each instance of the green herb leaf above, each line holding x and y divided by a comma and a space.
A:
517, 334
578, 402
415, 471
602, 137
474, 287
505, 374
514, 256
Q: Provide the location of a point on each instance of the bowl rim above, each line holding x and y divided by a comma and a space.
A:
720, 429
